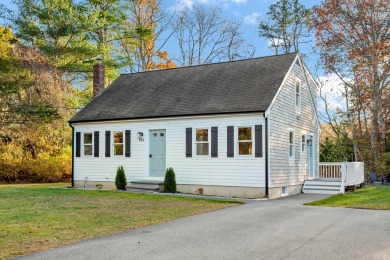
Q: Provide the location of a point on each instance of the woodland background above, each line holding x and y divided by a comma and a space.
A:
48, 48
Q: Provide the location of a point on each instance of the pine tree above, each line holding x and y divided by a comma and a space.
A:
170, 181
120, 179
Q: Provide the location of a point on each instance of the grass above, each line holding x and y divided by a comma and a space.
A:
35, 217
371, 197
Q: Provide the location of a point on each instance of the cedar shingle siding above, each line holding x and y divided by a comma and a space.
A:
282, 118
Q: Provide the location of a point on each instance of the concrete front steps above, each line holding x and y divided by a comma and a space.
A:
145, 186
322, 186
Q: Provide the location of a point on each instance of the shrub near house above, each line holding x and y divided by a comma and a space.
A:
170, 181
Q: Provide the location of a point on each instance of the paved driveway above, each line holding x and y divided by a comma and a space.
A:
275, 229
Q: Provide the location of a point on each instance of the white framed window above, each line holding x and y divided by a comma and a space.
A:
118, 143
87, 143
297, 93
202, 141
291, 144
284, 191
245, 140
303, 144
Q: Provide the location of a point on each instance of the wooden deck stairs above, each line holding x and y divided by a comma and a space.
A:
322, 186
334, 177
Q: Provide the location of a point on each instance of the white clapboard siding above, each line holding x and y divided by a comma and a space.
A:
237, 171
282, 119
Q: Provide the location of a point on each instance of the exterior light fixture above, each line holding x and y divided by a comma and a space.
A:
140, 136
309, 142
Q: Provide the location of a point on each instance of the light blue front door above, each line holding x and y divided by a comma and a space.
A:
157, 153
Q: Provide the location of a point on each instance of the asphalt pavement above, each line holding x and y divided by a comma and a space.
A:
271, 229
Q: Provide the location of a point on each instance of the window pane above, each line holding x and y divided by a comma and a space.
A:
245, 148
87, 149
118, 149
245, 133
297, 87
291, 150
118, 137
297, 91
291, 137
202, 149
202, 135
88, 138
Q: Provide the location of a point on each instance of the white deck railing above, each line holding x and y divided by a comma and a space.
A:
330, 170
349, 173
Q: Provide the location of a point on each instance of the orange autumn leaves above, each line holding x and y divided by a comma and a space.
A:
145, 15
163, 62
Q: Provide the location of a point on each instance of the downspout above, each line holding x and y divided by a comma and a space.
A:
266, 156
72, 155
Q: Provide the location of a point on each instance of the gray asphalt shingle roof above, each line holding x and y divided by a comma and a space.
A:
227, 87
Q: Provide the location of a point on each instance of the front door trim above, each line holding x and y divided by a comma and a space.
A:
157, 153
311, 155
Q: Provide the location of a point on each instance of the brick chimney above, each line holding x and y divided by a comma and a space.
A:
98, 78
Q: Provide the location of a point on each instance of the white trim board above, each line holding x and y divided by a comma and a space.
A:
307, 83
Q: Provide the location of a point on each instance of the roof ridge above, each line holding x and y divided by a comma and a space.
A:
207, 64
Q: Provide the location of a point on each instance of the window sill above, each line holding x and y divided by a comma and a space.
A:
202, 157
245, 157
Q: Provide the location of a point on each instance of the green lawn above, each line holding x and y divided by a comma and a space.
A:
35, 217
371, 197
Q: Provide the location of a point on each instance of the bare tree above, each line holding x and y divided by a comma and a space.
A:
205, 36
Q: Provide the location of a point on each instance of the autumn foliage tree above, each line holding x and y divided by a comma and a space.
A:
34, 137
353, 37
145, 25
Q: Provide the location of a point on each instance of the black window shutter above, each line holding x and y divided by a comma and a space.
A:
127, 143
230, 141
96, 144
258, 141
189, 142
108, 139
78, 147
214, 141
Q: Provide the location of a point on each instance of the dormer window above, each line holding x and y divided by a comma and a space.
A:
297, 93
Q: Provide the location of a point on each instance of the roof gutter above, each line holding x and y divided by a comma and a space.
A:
162, 117
72, 154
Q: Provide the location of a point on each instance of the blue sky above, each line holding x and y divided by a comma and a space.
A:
247, 12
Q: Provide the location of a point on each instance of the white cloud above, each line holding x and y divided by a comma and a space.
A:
332, 88
276, 42
188, 4
253, 18
184, 4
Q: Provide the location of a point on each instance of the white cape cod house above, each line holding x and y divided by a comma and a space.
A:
245, 128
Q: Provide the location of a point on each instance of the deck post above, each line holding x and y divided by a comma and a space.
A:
343, 175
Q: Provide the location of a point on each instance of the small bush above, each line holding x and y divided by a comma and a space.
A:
120, 179
170, 181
